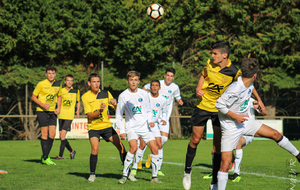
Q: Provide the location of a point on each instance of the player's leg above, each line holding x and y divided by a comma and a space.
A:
66, 127
160, 155
94, 140
43, 123
51, 135
132, 140
224, 167
282, 141
217, 153
164, 131
138, 156
238, 159
154, 160
63, 141
209, 176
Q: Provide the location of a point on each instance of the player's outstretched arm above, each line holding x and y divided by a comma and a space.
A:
260, 103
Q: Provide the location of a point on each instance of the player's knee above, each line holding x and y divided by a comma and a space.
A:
195, 140
276, 135
95, 150
133, 149
224, 166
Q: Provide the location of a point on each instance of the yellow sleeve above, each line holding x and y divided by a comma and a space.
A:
110, 97
86, 106
239, 73
204, 71
37, 89
78, 96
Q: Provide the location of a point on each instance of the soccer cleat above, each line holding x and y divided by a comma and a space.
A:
43, 161
232, 167
48, 161
92, 178
160, 173
236, 177
59, 158
186, 181
72, 154
209, 176
155, 180
148, 162
298, 157
133, 171
3, 172
213, 187
131, 177
140, 165
123, 180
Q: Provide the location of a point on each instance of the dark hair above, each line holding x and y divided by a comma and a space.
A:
249, 67
50, 68
170, 69
69, 75
92, 75
133, 74
222, 46
154, 80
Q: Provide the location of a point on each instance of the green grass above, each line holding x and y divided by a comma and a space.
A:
264, 166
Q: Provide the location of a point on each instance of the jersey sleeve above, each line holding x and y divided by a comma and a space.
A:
37, 89
164, 111
147, 86
109, 98
204, 70
239, 73
177, 93
78, 96
86, 106
119, 114
225, 101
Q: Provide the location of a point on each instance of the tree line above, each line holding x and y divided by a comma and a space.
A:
76, 36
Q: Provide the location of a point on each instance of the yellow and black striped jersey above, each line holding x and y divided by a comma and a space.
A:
216, 81
68, 103
91, 103
47, 93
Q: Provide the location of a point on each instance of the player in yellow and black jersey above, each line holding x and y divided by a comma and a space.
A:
95, 103
217, 75
70, 98
45, 95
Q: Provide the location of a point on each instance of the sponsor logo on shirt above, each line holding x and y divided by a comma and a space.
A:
249, 91
154, 112
228, 97
167, 97
67, 102
50, 97
244, 104
137, 110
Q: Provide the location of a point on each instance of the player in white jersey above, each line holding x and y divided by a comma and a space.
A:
158, 105
135, 102
170, 91
233, 108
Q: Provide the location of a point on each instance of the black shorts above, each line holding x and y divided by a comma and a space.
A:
46, 118
64, 124
200, 117
104, 133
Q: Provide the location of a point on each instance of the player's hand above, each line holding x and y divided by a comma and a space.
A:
163, 122
46, 106
261, 108
199, 93
151, 124
77, 114
57, 111
123, 136
180, 102
241, 118
113, 102
102, 106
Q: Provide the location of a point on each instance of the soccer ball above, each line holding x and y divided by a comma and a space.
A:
155, 11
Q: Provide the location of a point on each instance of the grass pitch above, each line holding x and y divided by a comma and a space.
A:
264, 166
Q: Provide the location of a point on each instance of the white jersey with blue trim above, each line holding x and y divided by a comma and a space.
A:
159, 108
236, 98
169, 92
137, 109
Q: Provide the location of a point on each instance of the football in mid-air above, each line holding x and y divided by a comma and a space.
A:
155, 11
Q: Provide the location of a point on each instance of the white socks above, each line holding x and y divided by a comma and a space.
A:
154, 164
127, 163
238, 160
287, 145
138, 157
222, 180
160, 157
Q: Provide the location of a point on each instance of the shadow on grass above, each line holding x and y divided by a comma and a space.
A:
204, 165
34, 160
87, 175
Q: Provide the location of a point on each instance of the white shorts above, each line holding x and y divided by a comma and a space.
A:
165, 128
155, 130
146, 135
231, 135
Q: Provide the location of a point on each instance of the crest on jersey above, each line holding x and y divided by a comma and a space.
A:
170, 91
140, 99
167, 97
158, 105
249, 91
154, 112
224, 79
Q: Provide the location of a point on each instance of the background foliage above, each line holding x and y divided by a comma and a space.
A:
75, 36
